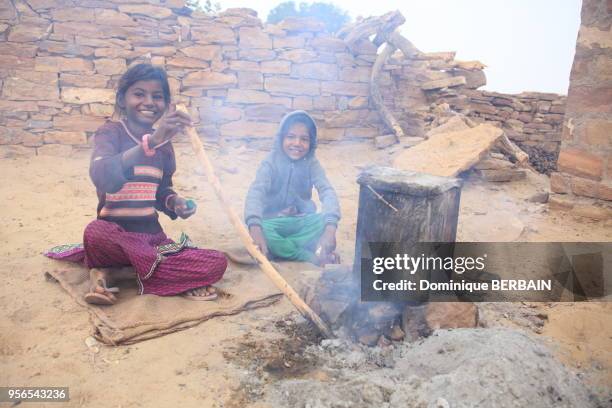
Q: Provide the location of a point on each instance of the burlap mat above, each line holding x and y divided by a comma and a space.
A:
136, 317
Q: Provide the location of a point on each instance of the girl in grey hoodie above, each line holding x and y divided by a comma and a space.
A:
279, 211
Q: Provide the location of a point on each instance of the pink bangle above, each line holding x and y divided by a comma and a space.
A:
145, 146
168, 199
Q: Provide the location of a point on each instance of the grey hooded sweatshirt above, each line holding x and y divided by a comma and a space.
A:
281, 182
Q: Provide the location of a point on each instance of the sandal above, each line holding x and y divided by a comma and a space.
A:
210, 293
99, 293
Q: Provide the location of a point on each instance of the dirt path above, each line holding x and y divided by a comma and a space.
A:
46, 201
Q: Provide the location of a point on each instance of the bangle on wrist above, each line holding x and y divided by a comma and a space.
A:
167, 202
145, 146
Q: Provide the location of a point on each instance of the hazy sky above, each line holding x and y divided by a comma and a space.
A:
527, 45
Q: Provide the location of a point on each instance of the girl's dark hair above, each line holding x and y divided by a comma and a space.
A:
141, 72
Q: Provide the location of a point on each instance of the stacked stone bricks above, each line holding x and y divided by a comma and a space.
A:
61, 60
532, 120
584, 181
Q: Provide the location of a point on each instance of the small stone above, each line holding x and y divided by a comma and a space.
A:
213, 33
501, 175
276, 67
113, 66
254, 37
11, 151
410, 141
146, 10
23, 90
440, 403
301, 24
345, 88
541, 197
451, 315
331, 343
490, 163
369, 339
203, 52
247, 96
91, 342
27, 33
209, 80
299, 56
83, 96
383, 342
385, 141
319, 375
63, 64
443, 83
453, 124
292, 86
396, 333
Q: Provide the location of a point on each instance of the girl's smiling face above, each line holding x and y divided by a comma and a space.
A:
144, 103
296, 143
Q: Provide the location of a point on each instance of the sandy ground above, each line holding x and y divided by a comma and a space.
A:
47, 201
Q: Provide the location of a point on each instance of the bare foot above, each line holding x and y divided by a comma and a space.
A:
201, 294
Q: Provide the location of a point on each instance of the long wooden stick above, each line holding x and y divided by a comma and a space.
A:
387, 116
264, 263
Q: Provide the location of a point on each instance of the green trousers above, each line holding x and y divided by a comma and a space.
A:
293, 238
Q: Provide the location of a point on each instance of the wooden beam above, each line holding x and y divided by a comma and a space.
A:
376, 95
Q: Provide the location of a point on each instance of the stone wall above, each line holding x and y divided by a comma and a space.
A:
584, 181
532, 120
61, 60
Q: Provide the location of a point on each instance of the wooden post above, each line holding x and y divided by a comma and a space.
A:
377, 99
385, 30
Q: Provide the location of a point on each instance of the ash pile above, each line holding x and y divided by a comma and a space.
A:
452, 368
